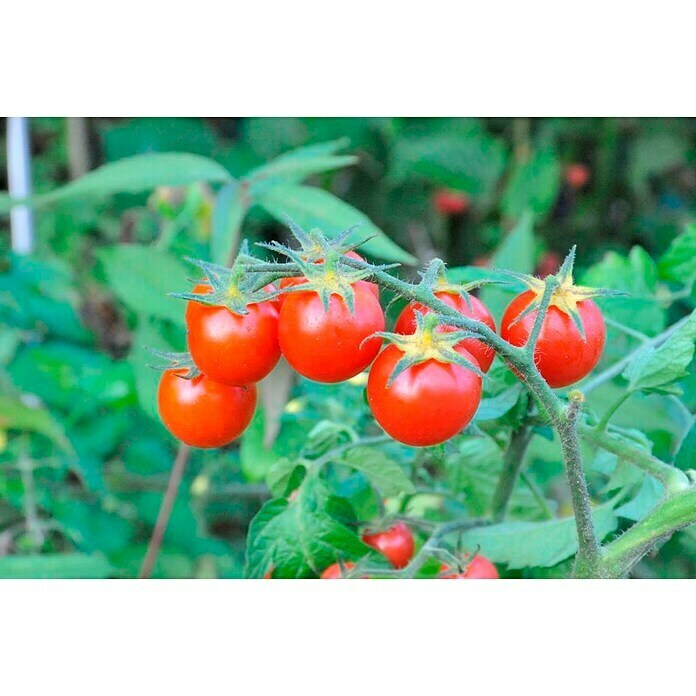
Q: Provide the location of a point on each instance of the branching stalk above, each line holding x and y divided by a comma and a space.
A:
670, 477
673, 513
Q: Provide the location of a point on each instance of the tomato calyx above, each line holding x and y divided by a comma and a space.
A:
561, 291
234, 288
427, 343
181, 363
435, 279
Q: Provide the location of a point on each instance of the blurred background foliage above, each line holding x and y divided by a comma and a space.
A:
83, 458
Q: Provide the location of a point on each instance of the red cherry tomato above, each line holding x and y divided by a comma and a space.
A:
328, 346
479, 568
276, 301
299, 280
406, 323
428, 403
201, 412
451, 202
334, 572
577, 175
396, 543
231, 348
561, 354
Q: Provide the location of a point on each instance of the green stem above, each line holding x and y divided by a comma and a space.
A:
639, 335
523, 363
512, 465
417, 562
674, 513
538, 495
588, 557
673, 479
602, 425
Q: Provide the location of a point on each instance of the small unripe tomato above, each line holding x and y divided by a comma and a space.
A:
299, 280
479, 568
561, 354
395, 543
335, 572
229, 348
330, 346
406, 323
449, 202
428, 403
201, 412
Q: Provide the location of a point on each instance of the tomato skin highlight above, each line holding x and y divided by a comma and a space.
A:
334, 572
428, 403
406, 323
203, 413
561, 355
480, 568
328, 346
395, 543
233, 349
299, 280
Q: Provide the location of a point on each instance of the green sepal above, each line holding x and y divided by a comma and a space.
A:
234, 288
175, 361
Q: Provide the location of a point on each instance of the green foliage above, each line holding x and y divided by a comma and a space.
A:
300, 538
79, 430
655, 369
382, 472
533, 183
535, 544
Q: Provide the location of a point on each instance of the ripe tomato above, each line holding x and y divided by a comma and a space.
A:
577, 175
231, 348
451, 202
334, 572
201, 412
561, 354
396, 543
276, 301
479, 568
428, 403
328, 346
299, 280
406, 323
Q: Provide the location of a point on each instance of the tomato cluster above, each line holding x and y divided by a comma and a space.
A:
397, 545
328, 339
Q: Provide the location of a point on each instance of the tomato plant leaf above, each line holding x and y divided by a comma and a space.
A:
228, 214
14, 415
471, 162
142, 276
515, 253
69, 566
678, 263
536, 544
281, 474
300, 539
686, 454
654, 369
137, 174
533, 184
496, 406
382, 472
313, 207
